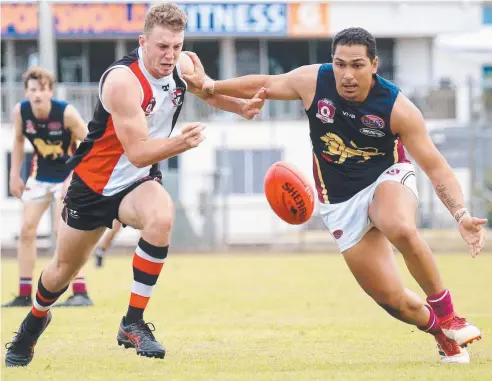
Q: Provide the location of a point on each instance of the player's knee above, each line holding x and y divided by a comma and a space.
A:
28, 232
403, 232
159, 223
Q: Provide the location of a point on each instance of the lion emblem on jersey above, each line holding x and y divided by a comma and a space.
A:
336, 147
178, 96
46, 149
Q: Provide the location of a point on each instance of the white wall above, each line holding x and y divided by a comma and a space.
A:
413, 62
405, 18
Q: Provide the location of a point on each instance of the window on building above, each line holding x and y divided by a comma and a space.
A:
286, 55
24, 173
323, 50
101, 56
130, 45
243, 171
247, 57
171, 164
208, 51
386, 68
26, 54
71, 61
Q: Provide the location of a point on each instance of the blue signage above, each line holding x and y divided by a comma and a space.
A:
236, 19
487, 14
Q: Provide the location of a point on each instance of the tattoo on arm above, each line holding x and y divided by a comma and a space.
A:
446, 198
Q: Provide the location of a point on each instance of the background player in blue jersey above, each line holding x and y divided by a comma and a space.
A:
359, 123
52, 127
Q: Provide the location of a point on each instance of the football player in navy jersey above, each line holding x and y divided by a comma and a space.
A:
53, 128
359, 125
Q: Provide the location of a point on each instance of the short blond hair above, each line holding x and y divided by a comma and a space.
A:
40, 74
167, 15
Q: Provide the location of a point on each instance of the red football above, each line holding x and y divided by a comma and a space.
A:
288, 193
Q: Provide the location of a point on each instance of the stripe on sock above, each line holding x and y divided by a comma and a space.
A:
144, 278
25, 286
142, 289
138, 301
148, 261
439, 297
44, 300
142, 254
39, 307
147, 266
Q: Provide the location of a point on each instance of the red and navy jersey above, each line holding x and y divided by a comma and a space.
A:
52, 142
352, 142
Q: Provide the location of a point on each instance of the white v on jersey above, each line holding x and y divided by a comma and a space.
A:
100, 160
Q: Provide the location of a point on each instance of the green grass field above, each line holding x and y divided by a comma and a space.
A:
253, 317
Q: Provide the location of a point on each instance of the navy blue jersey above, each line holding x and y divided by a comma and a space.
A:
352, 142
51, 141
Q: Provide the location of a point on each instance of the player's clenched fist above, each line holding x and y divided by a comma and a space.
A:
193, 134
16, 186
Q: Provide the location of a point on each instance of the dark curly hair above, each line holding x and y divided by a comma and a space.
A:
355, 36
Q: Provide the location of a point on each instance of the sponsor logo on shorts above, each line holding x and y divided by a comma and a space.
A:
73, 213
393, 172
338, 234
372, 121
372, 133
326, 110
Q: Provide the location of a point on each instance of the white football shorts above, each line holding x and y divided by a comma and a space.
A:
349, 221
41, 191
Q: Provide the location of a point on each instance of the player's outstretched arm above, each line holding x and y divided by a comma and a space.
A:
195, 77
16, 184
74, 122
408, 122
289, 86
121, 95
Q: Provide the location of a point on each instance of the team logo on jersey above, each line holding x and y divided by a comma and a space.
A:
338, 152
30, 127
326, 111
150, 106
372, 132
372, 121
178, 95
54, 126
165, 88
